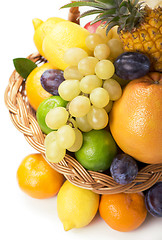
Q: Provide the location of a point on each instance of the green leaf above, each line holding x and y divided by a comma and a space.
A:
109, 13
24, 66
97, 19
90, 12
111, 25
106, 2
81, 3
123, 10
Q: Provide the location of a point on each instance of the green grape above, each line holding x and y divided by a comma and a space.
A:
93, 40
78, 141
72, 122
65, 136
108, 107
69, 89
102, 51
54, 153
114, 89
102, 32
116, 48
104, 69
50, 137
72, 72
89, 82
99, 97
83, 124
79, 106
87, 65
56, 117
97, 118
72, 56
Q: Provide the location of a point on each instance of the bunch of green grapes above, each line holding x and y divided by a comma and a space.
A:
90, 90
89, 86
66, 134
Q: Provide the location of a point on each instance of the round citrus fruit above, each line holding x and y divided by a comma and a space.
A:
37, 179
76, 206
44, 108
123, 212
34, 90
97, 151
135, 119
63, 36
42, 29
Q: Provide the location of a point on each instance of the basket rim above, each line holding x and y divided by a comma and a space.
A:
22, 116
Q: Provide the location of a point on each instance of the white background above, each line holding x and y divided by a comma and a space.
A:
21, 216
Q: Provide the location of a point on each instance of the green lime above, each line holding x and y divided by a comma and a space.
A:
43, 109
97, 151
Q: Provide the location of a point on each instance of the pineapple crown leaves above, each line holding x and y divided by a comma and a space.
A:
126, 14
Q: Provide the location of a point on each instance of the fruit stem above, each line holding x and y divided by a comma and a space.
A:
74, 15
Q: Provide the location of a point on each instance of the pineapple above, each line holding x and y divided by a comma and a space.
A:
139, 26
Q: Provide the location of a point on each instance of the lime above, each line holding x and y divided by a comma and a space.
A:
43, 109
97, 151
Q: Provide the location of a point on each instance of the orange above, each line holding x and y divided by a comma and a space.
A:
123, 212
136, 119
37, 179
34, 90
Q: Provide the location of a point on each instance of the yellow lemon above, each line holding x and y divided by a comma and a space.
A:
76, 207
63, 36
43, 28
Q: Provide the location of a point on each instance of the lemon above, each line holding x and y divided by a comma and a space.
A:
76, 207
63, 36
42, 29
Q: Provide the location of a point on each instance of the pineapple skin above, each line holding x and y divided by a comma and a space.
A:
147, 38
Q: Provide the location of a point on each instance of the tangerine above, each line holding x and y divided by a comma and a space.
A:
124, 211
135, 119
37, 179
34, 90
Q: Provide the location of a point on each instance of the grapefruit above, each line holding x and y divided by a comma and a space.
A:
136, 119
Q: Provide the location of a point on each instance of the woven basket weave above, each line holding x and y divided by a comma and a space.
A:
23, 117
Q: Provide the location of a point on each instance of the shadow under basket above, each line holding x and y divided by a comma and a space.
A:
24, 119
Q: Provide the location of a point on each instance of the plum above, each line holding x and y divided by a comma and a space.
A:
132, 65
51, 79
153, 200
123, 168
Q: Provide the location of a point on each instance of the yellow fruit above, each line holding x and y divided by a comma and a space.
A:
123, 212
37, 179
76, 207
43, 28
102, 31
64, 35
147, 38
135, 119
140, 28
114, 33
34, 90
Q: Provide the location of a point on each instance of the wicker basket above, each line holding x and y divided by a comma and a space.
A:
23, 117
